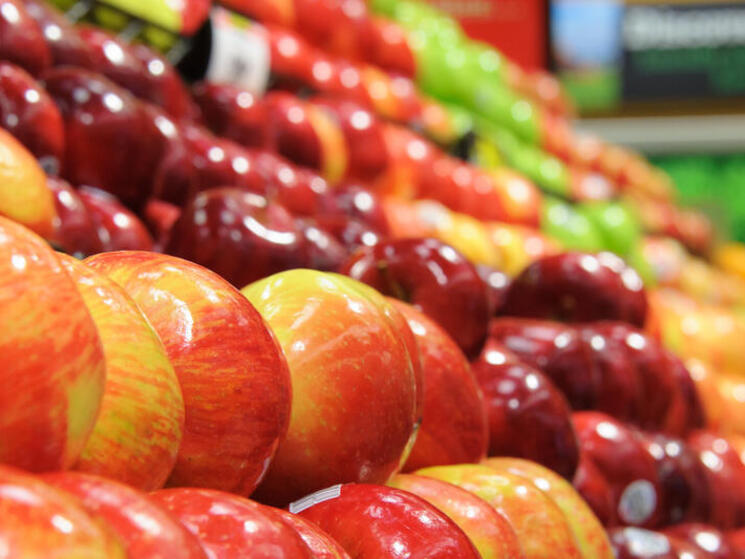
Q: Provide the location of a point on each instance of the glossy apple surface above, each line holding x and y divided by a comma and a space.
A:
372, 521
595, 490
41, 521
21, 39
237, 234
434, 278
300, 190
354, 407
528, 416
139, 427
708, 539
587, 529
27, 112
145, 528
229, 526
541, 528
489, 531
497, 282
233, 376
620, 455
54, 370
118, 227
578, 287
320, 543
61, 36
74, 230
454, 427
353, 199
637, 543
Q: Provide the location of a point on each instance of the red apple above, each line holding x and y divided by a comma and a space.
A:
637, 543
237, 234
74, 230
621, 457
111, 142
372, 521
21, 39
320, 543
355, 402
229, 526
434, 278
528, 416
687, 413
138, 430
160, 217
354, 200
595, 490
145, 528
578, 287
64, 43
28, 112
118, 228
41, 521
736, 539
233, 376
497, 282
713, 543
541, 527
488, 530
321, 250
454, 427
54, 372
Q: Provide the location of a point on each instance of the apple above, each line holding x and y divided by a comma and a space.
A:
541, 528
576, 286
706, 538
41, 521
587, 529
118, 228
111, 142
54, 370
74, 230
595, 490
689, 412
61, 36
355, 200
736, 539
725, 473
320, 543
300, 190
488, 530
355, 404
322, 250
229, 526
233, 112
21, 39
292, 133
139, 427
683, 479
528, 416
232, 373
454, 426
145, 528
28, 112
637, 543
372, 521
434, 278
160, 217
24, 195
237, 234
557, 350
620, 455
497, 282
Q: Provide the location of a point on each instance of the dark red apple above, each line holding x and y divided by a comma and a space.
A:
595, 490
233, 112
61, 36
433, 277
75, 231
354, 200
321, 249
557, 350
229, 526
725, 474
146, 529
320, 543
372, 521
528, 416
454, 424
688, 414
685, 488
159, 217
111, 142
118, 228
576, 286
292, 133
621, 457
637, 543
21, 39
237, 234
28, 112
706, 538
497, 282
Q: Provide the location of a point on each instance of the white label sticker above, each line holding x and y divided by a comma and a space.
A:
314, 498
240, 52
638, 502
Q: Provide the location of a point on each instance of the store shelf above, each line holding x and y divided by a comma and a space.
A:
673, 134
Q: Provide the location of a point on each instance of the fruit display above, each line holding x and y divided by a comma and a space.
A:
384, 301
